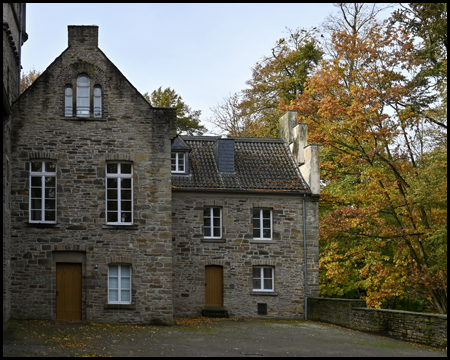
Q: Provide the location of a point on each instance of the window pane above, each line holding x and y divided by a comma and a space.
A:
216, 212
83, 94
36, 166
125, 270
112, 205
256, 272
266, 224
256, 283
266, 214
36, 215
111, 183
113, 295
125, 194
268, 284
256, 214
50, 215
216, 232
50, 166
50, 181
207, 231
125, 295
113, 270
125, 168
126, 217
267, 273
68, 91
111, 194
216, 222
36, 192
112, 216
36, 204
97, 91
266, 233
125, 184
111, 168
256, 233
256, 223
126, 205
207, 222
50, 193
125, 283
50, 204
113, 283
83, 80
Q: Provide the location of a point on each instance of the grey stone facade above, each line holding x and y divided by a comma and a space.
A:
14, 35
129, 130
164, 244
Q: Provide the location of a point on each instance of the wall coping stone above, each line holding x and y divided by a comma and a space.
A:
415, 313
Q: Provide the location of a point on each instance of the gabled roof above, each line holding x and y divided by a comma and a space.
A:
260, 165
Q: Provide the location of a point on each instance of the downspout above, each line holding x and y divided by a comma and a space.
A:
306, 258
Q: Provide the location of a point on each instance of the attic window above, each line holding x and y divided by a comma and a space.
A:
83, 96
178, 161
97, 101
68, 110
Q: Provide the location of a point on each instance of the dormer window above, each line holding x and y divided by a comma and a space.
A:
83, 96
178, 162
180, 157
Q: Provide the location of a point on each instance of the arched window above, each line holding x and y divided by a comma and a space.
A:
83, 96
68, 102
97, 101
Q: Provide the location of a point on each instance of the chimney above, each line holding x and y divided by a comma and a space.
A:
83, 35
223, 150
306, 156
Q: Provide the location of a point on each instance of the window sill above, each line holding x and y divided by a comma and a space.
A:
77, 118
263, 241
120, 227
213, 240
264, 293
42, 225
120, 306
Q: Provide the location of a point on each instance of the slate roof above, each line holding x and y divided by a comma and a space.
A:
260, 165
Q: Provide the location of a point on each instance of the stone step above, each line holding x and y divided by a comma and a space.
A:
215, 312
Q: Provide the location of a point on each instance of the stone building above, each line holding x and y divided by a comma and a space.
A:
14, 35
114, 218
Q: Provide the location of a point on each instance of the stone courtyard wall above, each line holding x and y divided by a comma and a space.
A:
422, 328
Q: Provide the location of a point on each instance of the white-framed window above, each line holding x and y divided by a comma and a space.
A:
212, 223
262, 224
83, 87
68, 102
177, 163
42, 191
119, 193
263, 278
97, 101
119, 284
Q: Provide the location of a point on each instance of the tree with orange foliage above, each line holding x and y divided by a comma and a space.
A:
381, 237
28, 78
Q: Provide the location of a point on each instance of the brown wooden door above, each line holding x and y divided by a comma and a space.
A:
213, 285
68, 291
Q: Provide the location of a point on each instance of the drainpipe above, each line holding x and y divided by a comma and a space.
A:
306, 258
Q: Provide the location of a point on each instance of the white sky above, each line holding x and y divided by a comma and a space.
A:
202, 51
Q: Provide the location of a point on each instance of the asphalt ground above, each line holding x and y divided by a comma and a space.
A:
201, 337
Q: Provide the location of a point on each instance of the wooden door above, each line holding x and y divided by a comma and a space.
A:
213, 285
68, 291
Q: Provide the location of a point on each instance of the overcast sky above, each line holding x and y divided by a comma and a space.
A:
202, 51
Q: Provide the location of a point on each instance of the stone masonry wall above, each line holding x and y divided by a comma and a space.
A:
237, 252
423, 328
129, 130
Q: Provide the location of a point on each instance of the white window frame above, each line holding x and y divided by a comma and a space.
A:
97, 101
262, 278
68, 101
209, 213
180, 163
119, 287
261, 224
42, 188
83, 111
119, 176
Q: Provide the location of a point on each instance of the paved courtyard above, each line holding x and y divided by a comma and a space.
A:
201, 337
